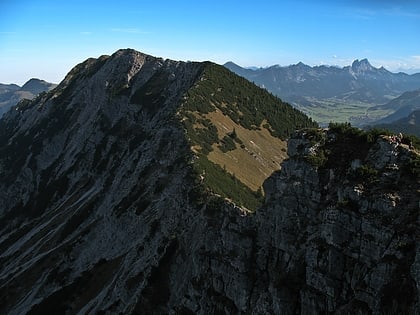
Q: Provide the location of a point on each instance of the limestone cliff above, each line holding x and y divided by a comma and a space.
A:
103, 212
344, 233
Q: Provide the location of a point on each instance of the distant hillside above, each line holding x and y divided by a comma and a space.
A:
407, 125
401, 107
11, 94
329, 93
5, 88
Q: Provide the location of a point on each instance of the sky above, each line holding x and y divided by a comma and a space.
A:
45, 39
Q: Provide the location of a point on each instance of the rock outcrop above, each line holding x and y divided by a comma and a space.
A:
101, 211
345, 233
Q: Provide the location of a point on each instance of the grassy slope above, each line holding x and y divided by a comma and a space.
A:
237, 132
252, 161
340, 110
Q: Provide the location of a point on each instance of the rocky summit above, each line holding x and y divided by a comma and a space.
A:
109, 201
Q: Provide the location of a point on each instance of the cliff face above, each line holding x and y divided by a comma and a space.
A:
95, 187
348, 230
102, 212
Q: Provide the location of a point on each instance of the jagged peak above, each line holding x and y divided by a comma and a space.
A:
36, 86
301, 64
231, 64
361, 65
128, 62
120, 67
34, 81
129, 51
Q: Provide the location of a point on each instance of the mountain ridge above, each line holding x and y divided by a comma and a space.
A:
402, 106
103, 209
407, 125
329, 93
405, 114
355, 64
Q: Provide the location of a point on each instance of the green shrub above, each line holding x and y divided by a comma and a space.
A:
218, 181
413, 167
375, 133
350, 143
315, 135
227, 144
244, 102
318, 160
412, 140
367, 174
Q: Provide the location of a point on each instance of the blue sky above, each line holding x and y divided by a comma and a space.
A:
45, 39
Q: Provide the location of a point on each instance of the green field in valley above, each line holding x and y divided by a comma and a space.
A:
342, 110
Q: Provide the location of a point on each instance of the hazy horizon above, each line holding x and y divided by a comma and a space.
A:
246, 67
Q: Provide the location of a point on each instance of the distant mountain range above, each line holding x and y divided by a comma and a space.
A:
11, 94
329, 93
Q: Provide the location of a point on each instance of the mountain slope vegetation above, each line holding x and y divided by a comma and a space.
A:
238, 129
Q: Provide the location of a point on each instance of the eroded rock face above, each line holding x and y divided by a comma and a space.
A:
95, 187
101, 211
354, 238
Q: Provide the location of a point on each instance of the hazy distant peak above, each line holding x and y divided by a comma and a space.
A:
33, 81
230, 63
8, 87
361, 66
36, 86
363, 61
11, 94
301, 65
238, 69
